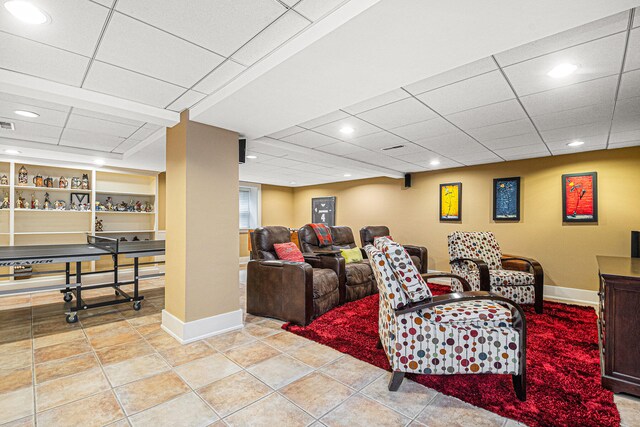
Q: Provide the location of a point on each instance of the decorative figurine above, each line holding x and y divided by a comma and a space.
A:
109, 204
5, 201
135, 239
4, 180
38, 181
85, 182
122, 207
62, 182
138, 206
148, 207
47, 202
131, 207
75, 183
23, 176
21, 203
33, 201
123, 239
60, 205
99, 225
73, 207
48, 182
99, 206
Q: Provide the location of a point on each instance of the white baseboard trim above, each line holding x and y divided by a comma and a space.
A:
201, 328
244, 260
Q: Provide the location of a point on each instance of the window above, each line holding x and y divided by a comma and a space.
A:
249, 198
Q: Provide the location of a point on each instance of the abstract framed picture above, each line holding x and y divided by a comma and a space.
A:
506, 199
580, 197
451, 201
323, 210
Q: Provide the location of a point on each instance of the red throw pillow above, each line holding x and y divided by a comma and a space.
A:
288, 252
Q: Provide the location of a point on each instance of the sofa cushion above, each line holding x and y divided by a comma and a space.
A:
351, 255
408, 275
325, 281
288, 252
417, 262
358, 273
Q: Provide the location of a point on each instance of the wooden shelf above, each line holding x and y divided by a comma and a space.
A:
51, 210
26, 233
116, 212
125, 231
67, 190
126, 193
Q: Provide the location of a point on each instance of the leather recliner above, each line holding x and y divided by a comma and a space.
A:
358, 281
419, 254
294, 292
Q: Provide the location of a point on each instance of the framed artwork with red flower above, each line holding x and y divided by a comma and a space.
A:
580, 197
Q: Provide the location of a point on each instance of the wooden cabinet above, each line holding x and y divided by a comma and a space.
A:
619, 323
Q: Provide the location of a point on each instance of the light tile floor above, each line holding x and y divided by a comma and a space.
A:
116, 367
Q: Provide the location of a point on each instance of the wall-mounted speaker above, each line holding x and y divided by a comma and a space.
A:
407, 180
242, 145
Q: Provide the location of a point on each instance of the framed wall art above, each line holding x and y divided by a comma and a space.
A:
451, 201
506, 199
580, 197
323, 210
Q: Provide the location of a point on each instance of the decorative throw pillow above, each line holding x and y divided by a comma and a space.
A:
386, 237
288, 252
351, 255
405, 271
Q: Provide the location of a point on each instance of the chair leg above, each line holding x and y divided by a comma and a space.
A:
520, 386
379, 344
396, 380
538, 307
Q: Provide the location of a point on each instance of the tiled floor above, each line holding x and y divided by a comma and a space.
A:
117, 367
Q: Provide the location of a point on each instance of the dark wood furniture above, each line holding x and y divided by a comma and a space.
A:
619, 323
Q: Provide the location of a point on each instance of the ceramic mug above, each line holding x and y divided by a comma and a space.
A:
38, 181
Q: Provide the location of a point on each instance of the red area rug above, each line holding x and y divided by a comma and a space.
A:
563, 368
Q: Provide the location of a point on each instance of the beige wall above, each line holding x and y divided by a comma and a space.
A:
566, 251
162, 200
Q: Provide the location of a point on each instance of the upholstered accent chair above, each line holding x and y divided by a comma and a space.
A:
294, 292
419, 254
471, 332
476, 256
358, 281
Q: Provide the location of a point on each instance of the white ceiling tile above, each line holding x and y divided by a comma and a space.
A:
513, 141
108, 117
625, 124
340, 148
444, 164
286, 132
187, 100
475, 92
399, 113
75, 25
287, 26
455, 75
377, 101
36, 59
47, 116
426, 129
584, 33
574, 117
596, 142
33, 102
620, 137
523, 152
451, 145
624, 144
290, 3
219, 77
629, 85
500, 112
628, 107
316, 9
502, 130
632, 61
281, 162
360, 128
131, 44
309, 167
106, 3
599, 91
576, 132
636, 17
420, 157
89, 140
327, 118
479, 158
125, 146
404, 149
271, 147
309, 139
222, 26
32, 131
126, 84
378, 140
98, 126
595, 59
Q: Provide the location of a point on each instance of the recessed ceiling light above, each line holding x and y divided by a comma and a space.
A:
575, 143
347, 130
99, 162
347, 175
434, 162
24, 113
252, 157
26, 12
562, 70
14, 152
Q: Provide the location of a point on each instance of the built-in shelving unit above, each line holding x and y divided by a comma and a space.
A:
20, 226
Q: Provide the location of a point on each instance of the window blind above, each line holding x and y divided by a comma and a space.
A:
245, 208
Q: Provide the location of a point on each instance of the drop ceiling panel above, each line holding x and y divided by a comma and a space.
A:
316, 9
75, 25
420, 157
576, 132
286, 132
280, 162
271, 37
574, 117
47, 116
453, 144
475, 92
36, 59
502, 130
598, 91
378, 140
310, 139
222, 26
618, 138
595, 59
126, 84
270, 148
104, 127
131, 44
340, 148
523, 152
377, 101
360, 128
89, 140
596, 142
629, 85
108, 117
187, 100
500, 112
632, 61
404, 149
624, 144
33, 102
464, 72
513, 141
400, 113
478, 158
327, 118
594, 30
126, 145
219, 77
32, 131
426, 129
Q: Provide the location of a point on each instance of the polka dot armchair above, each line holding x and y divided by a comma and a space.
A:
476, 256
463, 333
